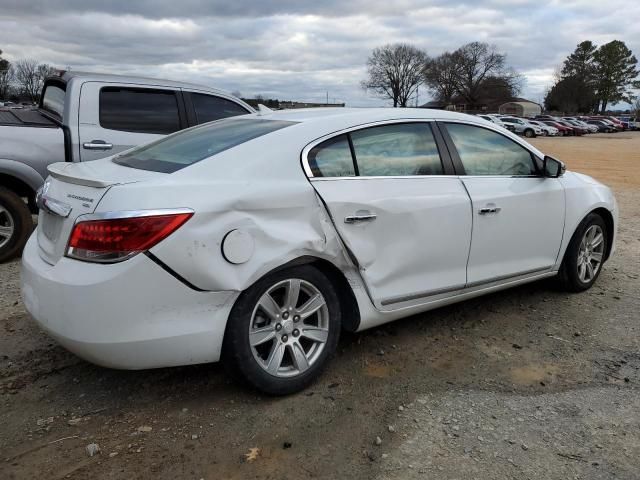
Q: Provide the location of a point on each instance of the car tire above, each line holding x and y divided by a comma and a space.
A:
529, 133
581, 252
15, 224
265, 349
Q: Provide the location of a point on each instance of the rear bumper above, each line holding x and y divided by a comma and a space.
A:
129, 315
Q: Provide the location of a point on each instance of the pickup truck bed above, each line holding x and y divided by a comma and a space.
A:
19, 117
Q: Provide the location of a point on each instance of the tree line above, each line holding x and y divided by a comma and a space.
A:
23, 79
473, 74
592, 78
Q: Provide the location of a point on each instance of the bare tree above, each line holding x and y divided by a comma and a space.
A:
30, 77
635, 107
395, 72
440, 75
6, 77
476, 61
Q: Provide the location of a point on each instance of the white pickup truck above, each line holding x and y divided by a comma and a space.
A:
86, 116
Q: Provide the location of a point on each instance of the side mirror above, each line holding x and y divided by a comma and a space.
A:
552, 168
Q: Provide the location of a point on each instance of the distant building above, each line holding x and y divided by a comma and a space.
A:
520, 107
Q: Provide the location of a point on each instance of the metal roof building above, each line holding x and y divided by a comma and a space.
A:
521, 108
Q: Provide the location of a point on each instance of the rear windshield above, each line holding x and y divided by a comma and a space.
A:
185, 148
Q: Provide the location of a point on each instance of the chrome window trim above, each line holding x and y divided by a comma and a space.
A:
379, 123
492, 127
114, 214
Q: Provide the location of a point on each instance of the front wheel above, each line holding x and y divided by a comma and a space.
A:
529, 133
283, 330
15, 224
585, 255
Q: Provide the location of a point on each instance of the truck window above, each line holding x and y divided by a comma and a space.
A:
53, 99
139, 110
209, 108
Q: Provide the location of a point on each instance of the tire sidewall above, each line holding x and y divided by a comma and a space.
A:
570, 265
237, 354
23, 225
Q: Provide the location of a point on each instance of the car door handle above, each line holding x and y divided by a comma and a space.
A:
97, 145
486, 210
360, 217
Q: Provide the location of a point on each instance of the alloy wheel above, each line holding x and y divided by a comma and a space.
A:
289, 327
590, 253
7, 227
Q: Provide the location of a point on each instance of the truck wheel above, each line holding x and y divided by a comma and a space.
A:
15, 224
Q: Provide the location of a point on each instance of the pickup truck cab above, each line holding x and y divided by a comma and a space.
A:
86, 116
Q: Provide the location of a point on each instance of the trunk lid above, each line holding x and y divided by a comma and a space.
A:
75, 189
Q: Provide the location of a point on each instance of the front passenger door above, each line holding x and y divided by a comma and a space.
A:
518, 215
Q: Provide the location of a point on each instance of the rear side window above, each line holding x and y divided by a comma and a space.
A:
332, 158
189, 146
485, 152
209, 108
139, 110
403, 149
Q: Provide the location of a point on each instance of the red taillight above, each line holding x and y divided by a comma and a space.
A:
116, 239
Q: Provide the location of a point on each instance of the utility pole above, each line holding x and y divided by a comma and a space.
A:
327, 97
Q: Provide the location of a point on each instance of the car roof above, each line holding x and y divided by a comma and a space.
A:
354, 116
108, 77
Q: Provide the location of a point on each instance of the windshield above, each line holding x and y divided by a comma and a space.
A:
187, 147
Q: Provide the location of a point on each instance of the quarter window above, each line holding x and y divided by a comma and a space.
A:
484, 152
209, 108
402, 149
139, 110
332, 158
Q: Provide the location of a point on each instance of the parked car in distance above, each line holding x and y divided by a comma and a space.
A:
497, 121
583, 128
258, 239
522, 126
563, 129
547, 130
631, 123
575, 130
591, 128
603, 127
113, 114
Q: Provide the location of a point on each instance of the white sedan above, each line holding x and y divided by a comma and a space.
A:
255, 240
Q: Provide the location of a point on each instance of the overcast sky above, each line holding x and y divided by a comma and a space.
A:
301, 49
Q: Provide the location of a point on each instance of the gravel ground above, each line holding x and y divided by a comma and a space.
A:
526, 383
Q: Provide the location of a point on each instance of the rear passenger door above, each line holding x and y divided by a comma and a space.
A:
397, 207
125, 116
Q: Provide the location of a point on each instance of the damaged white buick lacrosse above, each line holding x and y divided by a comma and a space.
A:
255, 240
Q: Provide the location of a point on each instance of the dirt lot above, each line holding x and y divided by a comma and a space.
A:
527, 383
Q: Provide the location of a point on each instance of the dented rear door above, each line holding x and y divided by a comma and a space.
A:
405, 222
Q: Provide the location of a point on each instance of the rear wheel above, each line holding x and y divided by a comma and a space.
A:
585, 254
15, 224
283, 330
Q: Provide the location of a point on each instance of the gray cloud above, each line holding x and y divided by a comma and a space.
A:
297, 49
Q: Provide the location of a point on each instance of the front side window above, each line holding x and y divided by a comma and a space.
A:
209, 108
187, 147
332, 158
485, 152
139, 110
402, 149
